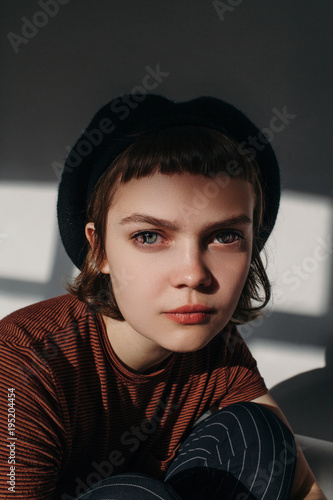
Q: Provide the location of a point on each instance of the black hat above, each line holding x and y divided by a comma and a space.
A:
112, 130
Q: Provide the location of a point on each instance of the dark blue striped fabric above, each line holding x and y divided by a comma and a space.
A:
242, 452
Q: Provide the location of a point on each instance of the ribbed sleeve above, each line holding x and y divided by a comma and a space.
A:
244, 382
36, 442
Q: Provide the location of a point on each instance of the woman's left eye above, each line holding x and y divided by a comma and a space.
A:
228, 237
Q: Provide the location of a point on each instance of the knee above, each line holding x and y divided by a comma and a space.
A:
258, 427
244, 447
132, 486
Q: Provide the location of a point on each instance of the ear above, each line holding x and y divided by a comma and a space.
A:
90, 235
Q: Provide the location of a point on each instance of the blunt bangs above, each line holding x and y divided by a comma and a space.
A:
181, 149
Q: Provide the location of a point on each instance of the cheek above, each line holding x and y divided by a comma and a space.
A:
232, 275
137, 296
134, 279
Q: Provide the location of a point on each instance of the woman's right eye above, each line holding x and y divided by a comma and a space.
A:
146, 238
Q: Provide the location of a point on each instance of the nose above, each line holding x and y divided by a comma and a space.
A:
190, 270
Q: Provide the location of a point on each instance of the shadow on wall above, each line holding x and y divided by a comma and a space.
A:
19, 293
307, 402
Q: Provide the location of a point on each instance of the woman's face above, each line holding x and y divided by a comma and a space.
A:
178, 250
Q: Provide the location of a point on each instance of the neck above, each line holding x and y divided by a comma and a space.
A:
136, 352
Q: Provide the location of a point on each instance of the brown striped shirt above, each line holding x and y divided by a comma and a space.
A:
81, 415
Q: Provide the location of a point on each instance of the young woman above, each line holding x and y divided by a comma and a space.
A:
137, 384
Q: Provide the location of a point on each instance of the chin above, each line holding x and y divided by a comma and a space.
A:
190, 345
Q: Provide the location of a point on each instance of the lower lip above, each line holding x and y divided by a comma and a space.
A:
188, 318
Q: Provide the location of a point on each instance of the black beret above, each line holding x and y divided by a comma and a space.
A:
112, 130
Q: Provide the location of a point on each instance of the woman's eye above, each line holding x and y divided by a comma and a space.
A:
146, 238
227, 237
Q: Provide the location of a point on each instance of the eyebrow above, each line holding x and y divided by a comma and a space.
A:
166, 224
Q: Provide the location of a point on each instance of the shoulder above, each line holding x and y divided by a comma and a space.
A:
32, 324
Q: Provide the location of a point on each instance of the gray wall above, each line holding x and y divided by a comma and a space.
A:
257, 54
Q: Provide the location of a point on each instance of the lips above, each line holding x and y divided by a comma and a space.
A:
190, 309
190, 314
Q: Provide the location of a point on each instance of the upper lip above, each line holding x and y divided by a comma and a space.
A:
191, 309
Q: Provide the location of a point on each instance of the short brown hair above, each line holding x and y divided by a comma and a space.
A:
179, 149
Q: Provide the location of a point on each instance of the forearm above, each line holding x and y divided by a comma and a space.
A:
315, 493
305, 485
